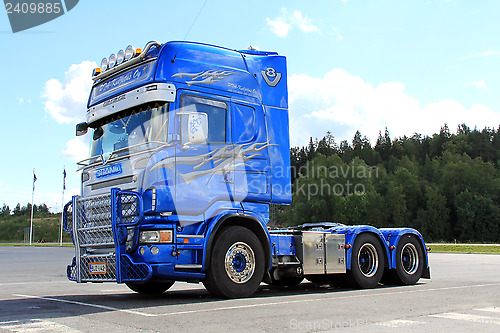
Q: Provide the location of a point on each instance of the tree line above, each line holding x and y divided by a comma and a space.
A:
446, 185
23, 210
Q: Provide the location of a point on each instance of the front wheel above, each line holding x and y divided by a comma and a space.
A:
409, 262
150, 288
237, 264
367, 262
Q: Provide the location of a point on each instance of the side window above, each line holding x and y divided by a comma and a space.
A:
243, 123
216, 112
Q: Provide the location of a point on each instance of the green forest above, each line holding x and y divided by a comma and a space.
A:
46, 225
446, 185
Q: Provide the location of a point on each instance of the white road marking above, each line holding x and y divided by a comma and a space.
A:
468, 317
104, 307
31, 283
36, 325
236, 307
494, 309
328, 297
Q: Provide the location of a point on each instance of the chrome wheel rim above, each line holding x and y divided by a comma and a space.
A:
239, 262
368, 260
409, 259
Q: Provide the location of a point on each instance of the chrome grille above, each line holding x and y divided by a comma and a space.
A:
95, 245
93, 222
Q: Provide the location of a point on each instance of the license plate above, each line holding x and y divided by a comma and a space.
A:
97, 268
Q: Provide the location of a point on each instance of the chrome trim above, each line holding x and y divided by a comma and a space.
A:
190, 236
127, 64
239, 262
409, 259
368, 260
188, 266
164, 92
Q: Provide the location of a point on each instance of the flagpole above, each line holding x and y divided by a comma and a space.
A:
32, 201
62, 206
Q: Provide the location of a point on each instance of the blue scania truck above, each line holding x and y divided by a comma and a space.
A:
190, 146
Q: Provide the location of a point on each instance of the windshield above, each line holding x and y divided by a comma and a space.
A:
131, 128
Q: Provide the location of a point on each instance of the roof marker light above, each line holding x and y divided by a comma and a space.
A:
138, 51
120, 57
112, 60
129, 52
104, 64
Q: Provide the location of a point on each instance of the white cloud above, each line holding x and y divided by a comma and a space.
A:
303, 23
22, 100
477, 84
77, 149
66, 101
280, 26
343, 103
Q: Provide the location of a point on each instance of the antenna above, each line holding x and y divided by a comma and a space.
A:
201, 9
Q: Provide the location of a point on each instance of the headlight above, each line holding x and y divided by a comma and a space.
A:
155, 236
112, 60
104, 64
120, 56
129, 52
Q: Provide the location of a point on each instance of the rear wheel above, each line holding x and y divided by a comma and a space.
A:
367, 262
409, 262
237, 264
150, 288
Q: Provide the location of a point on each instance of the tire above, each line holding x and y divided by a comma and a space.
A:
410, 262
150, 288
367, 262
237, 264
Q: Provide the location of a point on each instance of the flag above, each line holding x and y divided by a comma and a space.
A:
34, 179
64, 179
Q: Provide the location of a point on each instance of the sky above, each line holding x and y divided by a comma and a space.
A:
410, 66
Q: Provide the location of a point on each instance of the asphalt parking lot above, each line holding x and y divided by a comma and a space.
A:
463, 295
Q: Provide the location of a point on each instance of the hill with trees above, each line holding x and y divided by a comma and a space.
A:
446, 185
45, 224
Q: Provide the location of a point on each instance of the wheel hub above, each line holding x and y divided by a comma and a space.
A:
368, 260
409, 259
239, 262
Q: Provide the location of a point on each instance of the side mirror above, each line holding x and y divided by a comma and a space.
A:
194, 128
81, 129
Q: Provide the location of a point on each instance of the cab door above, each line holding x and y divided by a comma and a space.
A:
204, 170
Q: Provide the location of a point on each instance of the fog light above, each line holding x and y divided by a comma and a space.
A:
155, 250
142, 250
112, 60
120, 56
104, 64
129, 52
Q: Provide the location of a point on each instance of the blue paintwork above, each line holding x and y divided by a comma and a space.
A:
253, 87
393, 235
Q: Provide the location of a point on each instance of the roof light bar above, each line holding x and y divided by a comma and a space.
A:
109, 65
